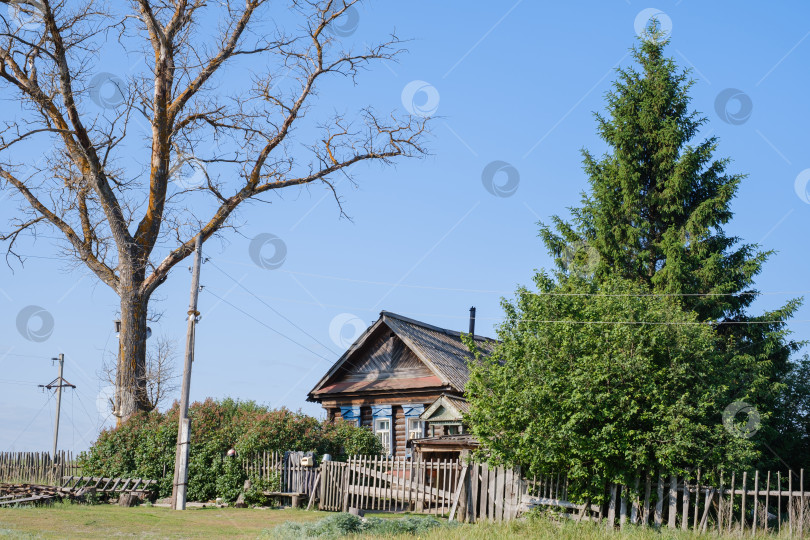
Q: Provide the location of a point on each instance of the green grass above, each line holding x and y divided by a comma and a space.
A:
543, 528
343, 526
105, 521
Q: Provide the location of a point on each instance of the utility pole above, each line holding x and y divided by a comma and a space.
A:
58, 383
184, 428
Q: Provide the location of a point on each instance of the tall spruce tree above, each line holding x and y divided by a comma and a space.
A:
655, 213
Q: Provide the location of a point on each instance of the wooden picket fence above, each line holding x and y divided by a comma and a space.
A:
441, 487
471, 492
294, 477
36, 467
740, 502
389, 484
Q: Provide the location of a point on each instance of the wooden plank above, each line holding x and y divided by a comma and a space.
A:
411, 501
457, 493
720, 510
697, 502
756, 501
360, 479
312, 494
790, 502
402, 469
704, 521
634, 509
475, 476
509, 479
623, 507
742, 503
801, 503
375, 484
483, 500
779, 500
685, 509
659, 503
611, 514
345, 485
647, 493
673, 501
497, 497
392, 486
491, 493
767, 501
731, 502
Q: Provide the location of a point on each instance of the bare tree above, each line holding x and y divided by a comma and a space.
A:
107, 187
160, 373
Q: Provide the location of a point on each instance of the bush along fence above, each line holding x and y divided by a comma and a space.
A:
36, 467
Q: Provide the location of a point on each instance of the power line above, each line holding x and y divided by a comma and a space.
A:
497, 291
25, 429
41, 357
26, 383
265, 324
271, 308
674, 323
501, 291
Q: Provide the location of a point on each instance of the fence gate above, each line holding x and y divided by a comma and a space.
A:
331, 490
397, 484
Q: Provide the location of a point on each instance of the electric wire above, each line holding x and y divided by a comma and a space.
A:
25, 429
288, 338
271, 308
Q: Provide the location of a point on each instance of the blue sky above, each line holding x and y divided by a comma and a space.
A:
511, 82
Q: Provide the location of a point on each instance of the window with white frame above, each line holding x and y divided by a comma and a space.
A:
414, 428
382, 429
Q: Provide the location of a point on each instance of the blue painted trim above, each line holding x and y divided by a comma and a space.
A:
379, 412
351, 414
413, 410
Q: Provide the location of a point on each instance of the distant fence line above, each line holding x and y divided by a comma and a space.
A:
36, 467
39, 468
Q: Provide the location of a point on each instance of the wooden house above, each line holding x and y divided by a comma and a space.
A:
402, 378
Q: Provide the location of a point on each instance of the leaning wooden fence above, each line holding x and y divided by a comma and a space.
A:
738, 502
36, 467
465, 491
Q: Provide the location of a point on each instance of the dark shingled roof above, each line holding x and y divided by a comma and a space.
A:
440, 349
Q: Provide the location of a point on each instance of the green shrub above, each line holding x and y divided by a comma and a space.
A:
339, 525
144, 446
258, 485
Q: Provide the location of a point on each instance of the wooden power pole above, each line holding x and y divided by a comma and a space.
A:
184, 428
58, 383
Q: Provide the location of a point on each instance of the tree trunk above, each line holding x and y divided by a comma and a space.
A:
130, 391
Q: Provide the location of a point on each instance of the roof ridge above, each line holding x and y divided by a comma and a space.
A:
446, 331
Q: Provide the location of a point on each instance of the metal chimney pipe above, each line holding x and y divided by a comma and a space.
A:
472, 321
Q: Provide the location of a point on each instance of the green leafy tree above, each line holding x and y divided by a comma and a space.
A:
654, 214
601, 398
